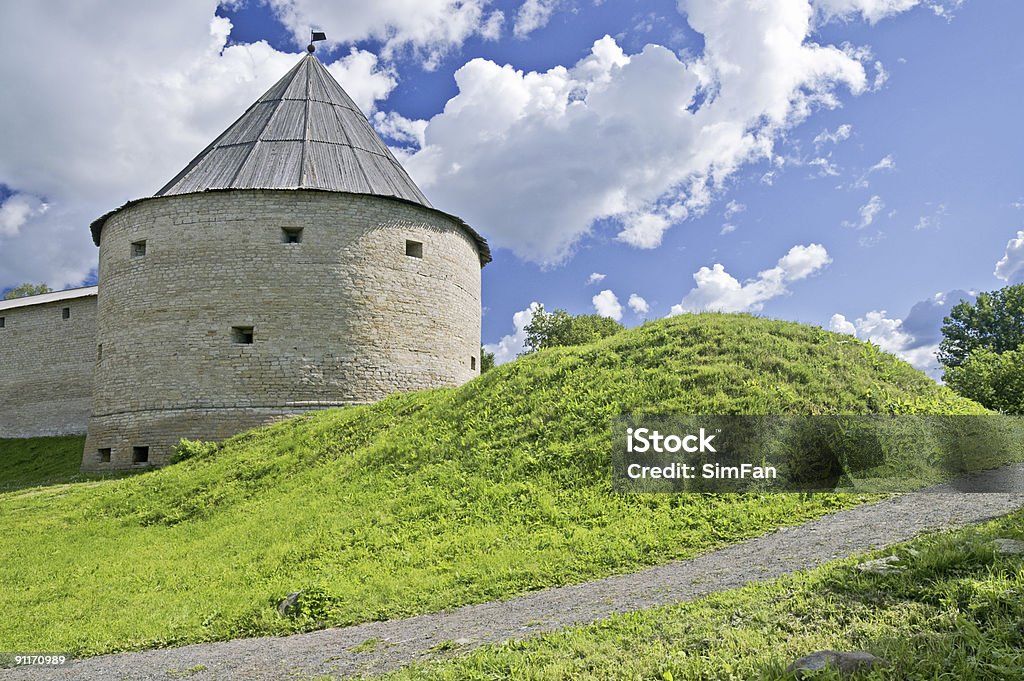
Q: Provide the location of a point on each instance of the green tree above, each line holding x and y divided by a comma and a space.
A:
994, 321
559, 328
486, 360
23, 290
993, 379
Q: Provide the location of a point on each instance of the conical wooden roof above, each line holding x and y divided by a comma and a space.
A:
304, 133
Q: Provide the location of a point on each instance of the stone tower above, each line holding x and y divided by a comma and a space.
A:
292, 265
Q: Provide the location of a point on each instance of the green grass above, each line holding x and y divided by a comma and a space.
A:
955, 612
429, 500
39, 461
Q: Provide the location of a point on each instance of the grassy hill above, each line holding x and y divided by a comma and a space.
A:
427, 500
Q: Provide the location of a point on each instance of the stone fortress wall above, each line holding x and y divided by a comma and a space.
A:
47, 356
220, 311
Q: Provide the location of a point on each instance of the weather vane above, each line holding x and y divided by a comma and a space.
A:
314, 37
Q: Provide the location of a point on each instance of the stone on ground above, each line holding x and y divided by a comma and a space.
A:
881, 566
846, 663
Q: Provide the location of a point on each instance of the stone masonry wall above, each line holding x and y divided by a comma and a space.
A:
345, 316
46, 368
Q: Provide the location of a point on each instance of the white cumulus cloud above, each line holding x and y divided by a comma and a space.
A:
841, 324
871, 11
491, 29
916, 337
16, 211
638, 305
510, 346
429, 29
607, 304
885, 332
890, 335
801, 262
881, 76
595, 277
514, 150
396, 127
533, 14
1011, 266
717, 290
644, 230
114, 110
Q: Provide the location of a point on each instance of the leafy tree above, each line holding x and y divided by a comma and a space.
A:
559, 328
486, 360
993, 379
26, 290
994, 321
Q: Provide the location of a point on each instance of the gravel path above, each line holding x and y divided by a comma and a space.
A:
330, 652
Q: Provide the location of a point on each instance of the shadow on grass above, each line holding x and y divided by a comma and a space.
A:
46, 461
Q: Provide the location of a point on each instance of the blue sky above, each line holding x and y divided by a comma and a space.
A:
836, 162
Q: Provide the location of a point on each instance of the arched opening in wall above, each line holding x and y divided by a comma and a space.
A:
65, 313
472, 363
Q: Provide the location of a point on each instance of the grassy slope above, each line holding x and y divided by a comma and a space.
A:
955, 612
39, 461
428, 500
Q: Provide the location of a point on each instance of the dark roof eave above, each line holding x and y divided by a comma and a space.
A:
481, 243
